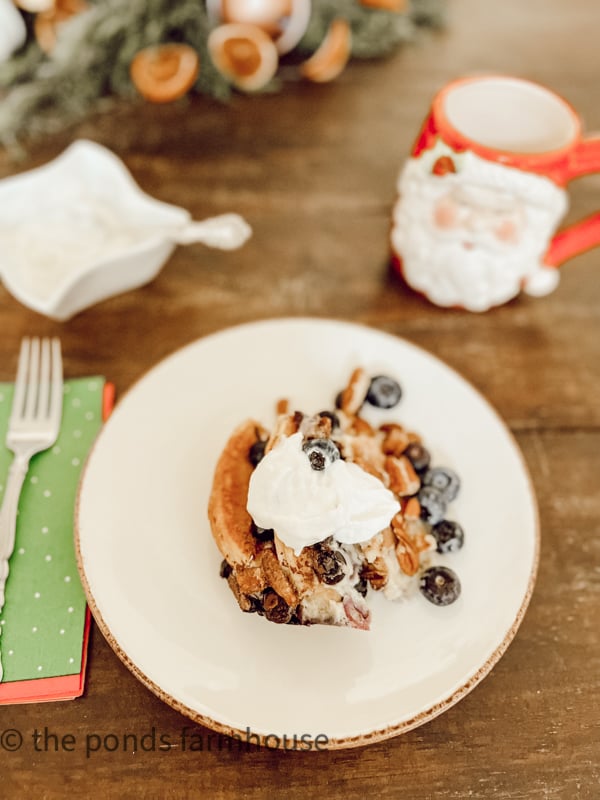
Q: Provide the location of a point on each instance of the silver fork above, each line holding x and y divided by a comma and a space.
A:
33, 426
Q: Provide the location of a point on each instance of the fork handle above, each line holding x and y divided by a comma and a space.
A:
8, 516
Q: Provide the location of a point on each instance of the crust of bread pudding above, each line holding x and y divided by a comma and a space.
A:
230, 522
255, 563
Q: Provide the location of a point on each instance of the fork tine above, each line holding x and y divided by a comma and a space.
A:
21, 380
42, 411
56, 396
32, 378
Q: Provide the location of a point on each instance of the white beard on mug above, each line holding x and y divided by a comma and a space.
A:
476, 237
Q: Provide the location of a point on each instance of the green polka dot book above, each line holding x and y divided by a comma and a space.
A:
44, 625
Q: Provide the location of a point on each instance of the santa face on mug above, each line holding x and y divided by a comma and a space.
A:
472, 233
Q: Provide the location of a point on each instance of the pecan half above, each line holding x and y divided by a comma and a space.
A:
406, 552
412, 508
404, 481
282, 406
250, 579
353, 396
376, 573
316, 427
395, 440
276, 578
244, 601
407, 556
286, 425
360, 426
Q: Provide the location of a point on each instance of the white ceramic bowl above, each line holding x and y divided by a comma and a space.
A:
79, 230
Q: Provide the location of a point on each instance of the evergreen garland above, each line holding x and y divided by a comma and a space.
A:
91, 59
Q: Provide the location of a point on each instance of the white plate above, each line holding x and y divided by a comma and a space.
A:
150, 566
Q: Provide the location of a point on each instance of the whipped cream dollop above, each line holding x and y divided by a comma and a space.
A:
304, 506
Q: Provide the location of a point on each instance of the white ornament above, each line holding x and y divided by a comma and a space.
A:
35, 6
12, 30
295, 26
293, 21
264, 13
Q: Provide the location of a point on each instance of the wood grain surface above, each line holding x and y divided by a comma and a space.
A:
313, 169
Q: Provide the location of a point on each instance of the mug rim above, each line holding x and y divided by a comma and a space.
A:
461, 141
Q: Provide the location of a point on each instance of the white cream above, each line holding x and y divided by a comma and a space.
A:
304, 506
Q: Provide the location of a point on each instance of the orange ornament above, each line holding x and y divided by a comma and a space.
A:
329, 60
397, 6
164, 72
47, 22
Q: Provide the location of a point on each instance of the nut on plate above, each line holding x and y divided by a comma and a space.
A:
353, 396
403, 479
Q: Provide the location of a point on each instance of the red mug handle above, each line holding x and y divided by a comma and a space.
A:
584, 235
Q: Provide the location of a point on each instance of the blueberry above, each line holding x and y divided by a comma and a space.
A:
449, 536
444, 480
321, 452
257, 452
418, 456
262, 534
440, 585
384, 392
275, 608
433, 504
330, 565
317, 460
254, 605
225, 570
361, 587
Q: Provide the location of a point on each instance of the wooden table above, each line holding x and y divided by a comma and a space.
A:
313, 169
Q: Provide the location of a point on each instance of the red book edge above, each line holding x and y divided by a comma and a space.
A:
62, 687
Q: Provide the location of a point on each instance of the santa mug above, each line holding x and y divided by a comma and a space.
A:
483, 192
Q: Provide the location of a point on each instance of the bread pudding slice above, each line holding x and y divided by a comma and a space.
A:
322, 510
